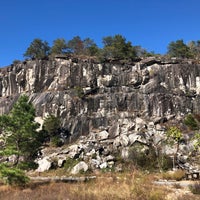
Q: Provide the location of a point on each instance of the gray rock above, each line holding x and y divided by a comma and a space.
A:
103, 135
103, 165
43, 165
124, 140
81, 166
133, 138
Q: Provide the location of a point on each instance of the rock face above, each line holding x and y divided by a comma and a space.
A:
111, 103
89, 95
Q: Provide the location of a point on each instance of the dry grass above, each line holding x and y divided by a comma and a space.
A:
135, 186
174, 175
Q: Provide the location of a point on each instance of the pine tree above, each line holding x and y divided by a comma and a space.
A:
19, 128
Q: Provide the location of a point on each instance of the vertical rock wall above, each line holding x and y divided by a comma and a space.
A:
90, 96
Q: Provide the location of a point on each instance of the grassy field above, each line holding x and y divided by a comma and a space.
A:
107, 186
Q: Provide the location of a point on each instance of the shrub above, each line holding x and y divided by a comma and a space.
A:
195, 188
56, 141
79, 92
191, 122
13, 176
143, 158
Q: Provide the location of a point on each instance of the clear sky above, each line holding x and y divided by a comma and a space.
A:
153, 24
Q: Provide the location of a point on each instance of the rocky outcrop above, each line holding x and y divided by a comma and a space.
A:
89, 95
114, 104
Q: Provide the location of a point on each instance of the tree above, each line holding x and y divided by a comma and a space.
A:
179, 49
59, 46
51, 126
13, 176
75, 45
194, 47
20, 136
90, 48
116, 47
174, 136
38, 49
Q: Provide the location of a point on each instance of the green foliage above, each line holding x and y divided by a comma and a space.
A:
116, 47
70, 163
82, 47
174, 134
197, 141
79, 91
38, 49
143, 158
59, 46
191, 122
13, 176
56, 141
19, 128
179, 49
51, 124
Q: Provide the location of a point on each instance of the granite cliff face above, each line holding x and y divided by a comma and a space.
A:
88, 95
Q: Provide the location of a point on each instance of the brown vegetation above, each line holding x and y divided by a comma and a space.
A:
107, 186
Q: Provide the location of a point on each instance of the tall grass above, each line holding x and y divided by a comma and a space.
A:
134, 186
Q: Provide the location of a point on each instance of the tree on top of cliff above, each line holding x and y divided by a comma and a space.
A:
195, 48
38, 49
75, 45
116, 47
82, 47
179, 49
59, 46
19, 128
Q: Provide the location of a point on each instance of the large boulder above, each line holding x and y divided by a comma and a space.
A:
43, 165
81, 166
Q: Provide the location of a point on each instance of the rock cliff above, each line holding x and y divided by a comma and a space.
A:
89, 95
113, 101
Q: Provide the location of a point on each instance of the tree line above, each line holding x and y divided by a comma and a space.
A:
114, 47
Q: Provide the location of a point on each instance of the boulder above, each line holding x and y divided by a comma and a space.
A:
103, 165
103, 135
140, 124
114, 130
43, 165
81, 166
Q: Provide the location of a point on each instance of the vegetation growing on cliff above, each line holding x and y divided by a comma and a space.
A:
114, 47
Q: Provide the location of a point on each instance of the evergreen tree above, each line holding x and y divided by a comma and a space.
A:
179, 49
59, 46
116, 47
38, 49
19, 128
75, 45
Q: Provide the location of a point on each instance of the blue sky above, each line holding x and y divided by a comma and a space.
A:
153, 24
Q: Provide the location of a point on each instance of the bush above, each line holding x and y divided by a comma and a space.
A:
191, 122
13, 176
195, 188
143, 158
56, 141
